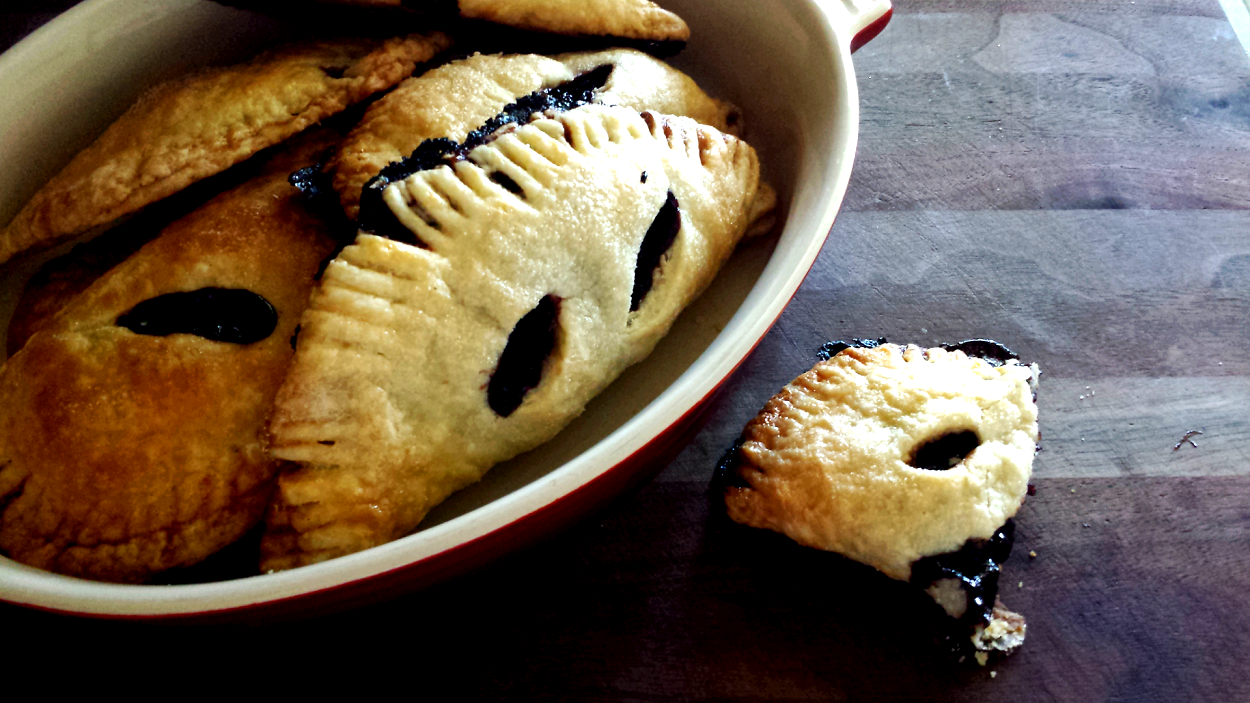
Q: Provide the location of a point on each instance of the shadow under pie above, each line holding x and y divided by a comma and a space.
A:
908, 460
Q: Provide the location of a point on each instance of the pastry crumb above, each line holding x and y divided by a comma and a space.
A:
1004, 633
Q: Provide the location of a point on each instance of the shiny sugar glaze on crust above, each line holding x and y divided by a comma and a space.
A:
123, 455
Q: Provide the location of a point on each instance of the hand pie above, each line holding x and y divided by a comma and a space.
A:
539, 266
906, 459
132, 425
461, 97
631, 19
623, 19
191, 128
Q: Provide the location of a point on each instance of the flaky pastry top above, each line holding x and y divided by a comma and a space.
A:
826, 461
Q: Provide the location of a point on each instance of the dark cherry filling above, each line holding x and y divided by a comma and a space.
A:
945, 451
727, 474
828, 350
656, 243
220, 314
377, 218
993, 352
319, 198
975, 566
521, 364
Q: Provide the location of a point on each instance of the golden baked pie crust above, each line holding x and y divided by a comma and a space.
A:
826, 459
386, 406
453, 100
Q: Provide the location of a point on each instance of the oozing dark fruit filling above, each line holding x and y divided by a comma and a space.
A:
727, 474
220, 314
490, 38
320, 199
975, 568
828, 350
993, 352
944, 451
521, 364
377, 218
656, 243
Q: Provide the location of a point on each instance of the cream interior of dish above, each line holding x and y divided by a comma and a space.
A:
777, 133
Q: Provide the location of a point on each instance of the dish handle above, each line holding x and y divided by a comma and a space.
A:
861, 19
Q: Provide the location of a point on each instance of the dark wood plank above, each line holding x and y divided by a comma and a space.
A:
1028, 110
1137, 593
1117, 8
1068, 177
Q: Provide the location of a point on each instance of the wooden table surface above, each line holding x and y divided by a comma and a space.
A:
1071, 178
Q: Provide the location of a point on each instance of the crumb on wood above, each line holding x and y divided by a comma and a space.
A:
1188, 437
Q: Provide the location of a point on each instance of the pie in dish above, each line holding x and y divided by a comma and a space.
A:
536, 267
630, 19
460, 98
618, 19
132, 424
907, 459
191, 128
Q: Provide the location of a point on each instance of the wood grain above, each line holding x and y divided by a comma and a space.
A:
1135, 594
1033, 110
1071, 178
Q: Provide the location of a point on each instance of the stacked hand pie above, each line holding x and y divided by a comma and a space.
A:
522, 228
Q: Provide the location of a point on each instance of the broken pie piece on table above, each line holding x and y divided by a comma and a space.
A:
459, 99
191, 128
907, 459
132, 424
537, 268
